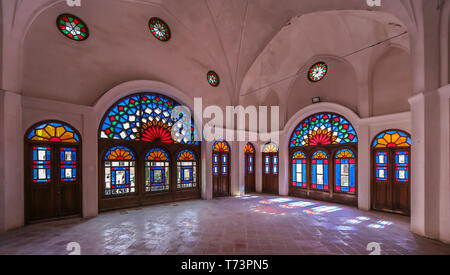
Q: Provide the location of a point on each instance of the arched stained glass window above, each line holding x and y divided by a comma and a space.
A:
186, 170
53, 132
249, 148
159, 29
119, 171
320, 170
270, 148
392, 138
323, 129
299, 169
345, 171
221, 146
157, 171
149, 117
72, 27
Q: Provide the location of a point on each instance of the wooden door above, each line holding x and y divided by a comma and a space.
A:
270, 173
221, 174
391, 180
250, 182
53, 188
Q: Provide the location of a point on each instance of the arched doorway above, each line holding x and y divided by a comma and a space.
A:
250, 182
148, 150
323, 152
221, 169
270, 169
391, 151
53, 172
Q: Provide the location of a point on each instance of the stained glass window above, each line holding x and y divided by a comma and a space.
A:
381, 166
250, 164
323, 129
72, 27
402, 166
249, 148
224, 164
345, 168
186, 170
393, 138
213, 78
215, 164
320, 170
270, 148
275, 165
159, 29
299, 170
221, 146
149, 117
157, 171
68, 164
119, 171
267, 165
317, 72
41, 164
53, 132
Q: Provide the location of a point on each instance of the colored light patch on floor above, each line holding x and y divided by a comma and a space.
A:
297, 204
264, 209
247, 197
380, 224
357, 220
323, 210
278, 200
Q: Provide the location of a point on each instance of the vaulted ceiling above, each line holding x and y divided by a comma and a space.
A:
251, 44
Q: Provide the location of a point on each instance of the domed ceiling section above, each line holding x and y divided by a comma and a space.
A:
347, 41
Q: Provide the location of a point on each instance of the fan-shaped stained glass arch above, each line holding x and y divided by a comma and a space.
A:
323, 129
317, 72
149, 117
119, 153
157, 155
249, 148
221, 146
72, 27
186, 155
320, 155
392, 138
299, 155
270, 148
159, 29
53, 132
344, 153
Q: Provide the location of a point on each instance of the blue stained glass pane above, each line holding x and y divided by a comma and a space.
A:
325, 171
352, 175
338, 174
314, 173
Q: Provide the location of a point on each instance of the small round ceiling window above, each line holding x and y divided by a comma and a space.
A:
213, 78
72, 27
317, 72
159, 29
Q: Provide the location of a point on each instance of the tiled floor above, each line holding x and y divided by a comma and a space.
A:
238, 225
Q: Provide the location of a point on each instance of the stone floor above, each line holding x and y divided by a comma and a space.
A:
254, 224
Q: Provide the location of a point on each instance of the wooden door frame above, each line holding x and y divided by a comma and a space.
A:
327, 195
140, 197
390, 150
54, 167
247, 174
271, 155
220, 175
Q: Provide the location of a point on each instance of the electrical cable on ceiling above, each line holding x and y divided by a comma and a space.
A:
355, 52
